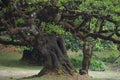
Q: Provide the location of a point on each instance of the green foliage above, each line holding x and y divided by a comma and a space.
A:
25, 48
32, 0
104, 45
52, 28
99, 46
19, 21
106, 56
103, 7
76, 60
73, 43
7, 38
97, 64
110, 58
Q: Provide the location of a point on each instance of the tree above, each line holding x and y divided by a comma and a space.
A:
27, 32
102, 26
25, 23
87, 55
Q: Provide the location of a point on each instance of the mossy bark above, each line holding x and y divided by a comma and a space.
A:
87, 55
56, 57
53, 49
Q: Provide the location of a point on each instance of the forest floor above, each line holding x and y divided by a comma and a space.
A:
12, 69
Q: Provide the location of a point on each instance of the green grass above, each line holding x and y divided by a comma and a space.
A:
12, 60
99, 79
106, 54
96, 79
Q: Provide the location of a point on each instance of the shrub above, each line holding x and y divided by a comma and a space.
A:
97, 65
73, 43
110, 58
76, 60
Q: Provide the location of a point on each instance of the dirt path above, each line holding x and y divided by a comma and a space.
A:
109, 75
12, 74
15, 74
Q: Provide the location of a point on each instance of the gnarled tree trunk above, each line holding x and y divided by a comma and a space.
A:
87, 55
55, 55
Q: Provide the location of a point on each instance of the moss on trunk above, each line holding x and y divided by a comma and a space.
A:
87, 55
56, 57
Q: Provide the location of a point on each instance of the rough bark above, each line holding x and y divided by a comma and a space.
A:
56, 59
87, 55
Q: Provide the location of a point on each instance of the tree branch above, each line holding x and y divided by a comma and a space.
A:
104, 37
7, 42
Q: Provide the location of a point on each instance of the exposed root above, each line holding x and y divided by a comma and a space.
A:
76, 76
29, 77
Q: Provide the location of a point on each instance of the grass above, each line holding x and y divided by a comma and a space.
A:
99, 61
12, 60
106, 54
96, 79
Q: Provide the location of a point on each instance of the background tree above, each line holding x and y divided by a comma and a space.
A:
93, 25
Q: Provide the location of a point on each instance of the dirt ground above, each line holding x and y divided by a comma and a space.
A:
13, 74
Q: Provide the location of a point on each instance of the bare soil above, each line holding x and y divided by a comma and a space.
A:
13, 74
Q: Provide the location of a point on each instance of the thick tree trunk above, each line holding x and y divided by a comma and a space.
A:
55, 55
52, 51
87, 55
